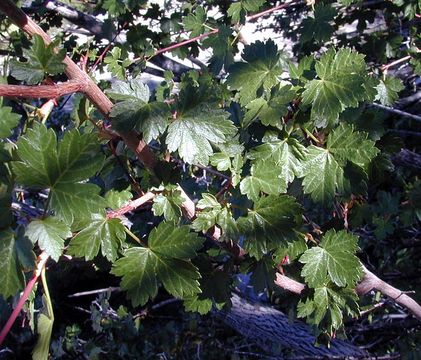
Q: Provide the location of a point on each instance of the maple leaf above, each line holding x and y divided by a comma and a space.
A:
179, 277
97, 233
322, 174
166, 260
169, 205
388, 89
138, 271
262, 64
347, 144
12, 276
340, 84
175, 242
9, 120
41, 60
195, 23
221, 44
287, 154
238, 10
195, 130
270, 112
318, 28
211, 212
116, 199
215, 285
50, 234
333, 260
133, 110
272, 222
42, 164
265, 177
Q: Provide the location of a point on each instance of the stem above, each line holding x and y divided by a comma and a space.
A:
48, 302
28, 289
134, 237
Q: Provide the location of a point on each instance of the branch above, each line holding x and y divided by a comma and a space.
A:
368, 283
73, 72
42, 91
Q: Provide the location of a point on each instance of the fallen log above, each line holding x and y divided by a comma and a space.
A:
278, 335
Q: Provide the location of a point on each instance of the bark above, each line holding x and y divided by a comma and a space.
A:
408, 158
369, 282
274, 332
73, 72
42, 91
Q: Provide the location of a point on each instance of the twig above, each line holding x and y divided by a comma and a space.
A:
396, 111
132, 205
42, 259
94, 292
271, 10
215, 31
394, 63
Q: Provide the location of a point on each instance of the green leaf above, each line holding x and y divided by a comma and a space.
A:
262, 64
175, 242
9, 121
138, 271
265, 177
271, 223
340, 84
238, 10
116, 199
322, 175
388, 89
195, 22
288, 155
133, 110
179, 277
194, 131
133, 90
270, 112
79, 157
41, 165
210, 212
24, 247
41, 60
333, 260
153, 120
50, 234
100, 233
116, 66
12, 276
37, 150
318, 28
347, 144
222, 49
76, 201
168, 205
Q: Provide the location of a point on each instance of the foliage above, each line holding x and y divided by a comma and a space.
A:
283, 154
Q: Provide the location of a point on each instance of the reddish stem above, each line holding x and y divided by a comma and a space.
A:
185, 42
28, 289
269, 11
